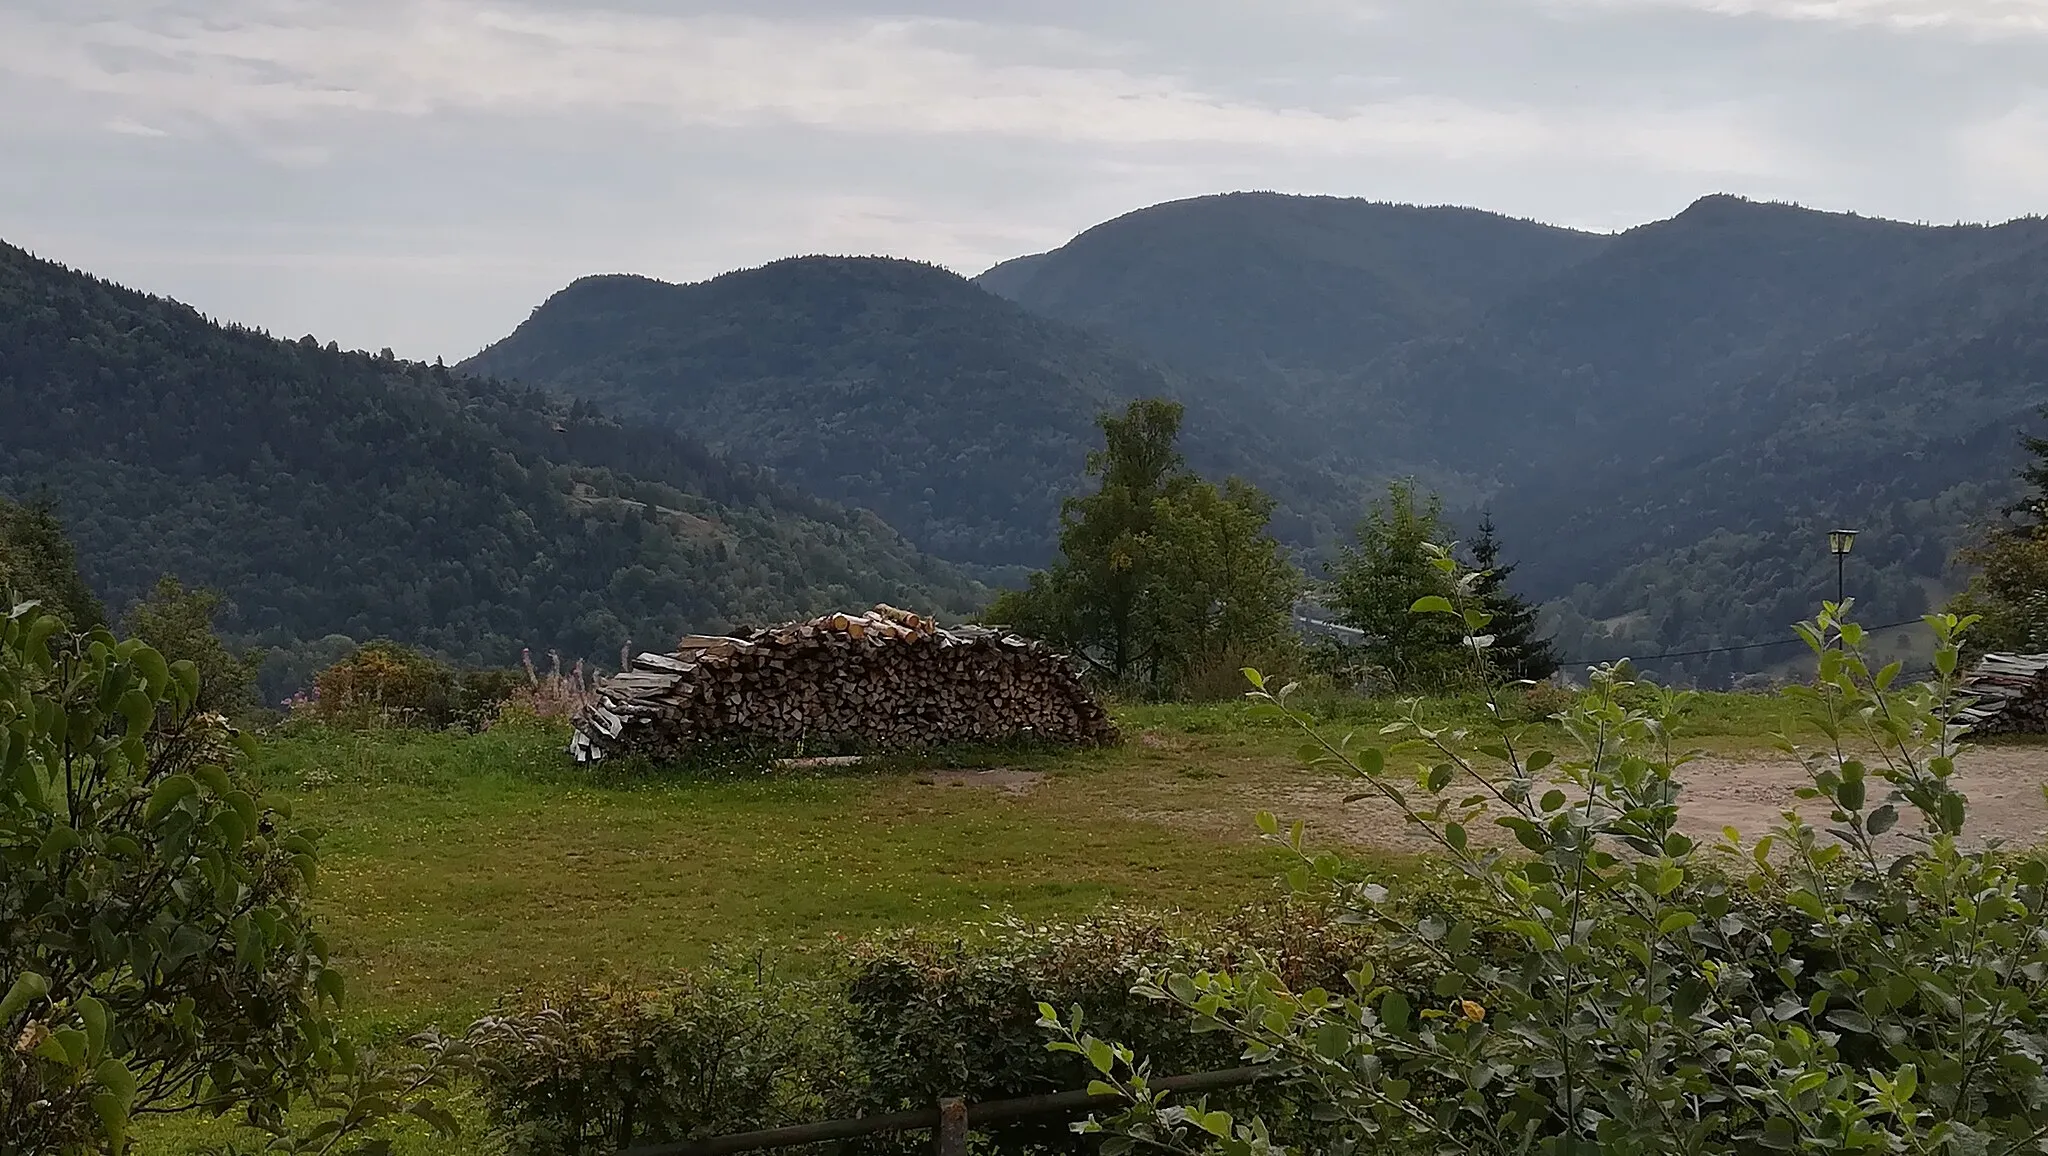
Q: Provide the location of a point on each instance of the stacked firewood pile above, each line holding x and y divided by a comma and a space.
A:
884, 680
2011, 692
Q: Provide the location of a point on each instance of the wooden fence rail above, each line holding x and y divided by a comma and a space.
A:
950, 1120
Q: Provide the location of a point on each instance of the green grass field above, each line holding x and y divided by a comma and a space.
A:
458, 869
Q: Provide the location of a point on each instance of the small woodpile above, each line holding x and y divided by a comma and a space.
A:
2011, 692
884, 680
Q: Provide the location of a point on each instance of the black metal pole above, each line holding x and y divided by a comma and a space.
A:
1840, 558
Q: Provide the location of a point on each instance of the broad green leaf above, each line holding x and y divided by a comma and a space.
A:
27, 988
156, 673
172, 790
56, 843
1394, 1011
113, 1116
1100, 1055
139, 711
1850, 1020
186, 676
39, 636
94, 1015
214, 778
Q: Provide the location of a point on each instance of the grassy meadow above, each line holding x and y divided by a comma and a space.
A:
459, 869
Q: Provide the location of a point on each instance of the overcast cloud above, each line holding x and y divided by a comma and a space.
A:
421, 174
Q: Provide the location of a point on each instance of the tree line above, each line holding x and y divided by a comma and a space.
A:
1167, 584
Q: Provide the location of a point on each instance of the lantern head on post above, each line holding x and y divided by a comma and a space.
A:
1839, 542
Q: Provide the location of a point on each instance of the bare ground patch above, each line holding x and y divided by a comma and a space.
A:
1749, 793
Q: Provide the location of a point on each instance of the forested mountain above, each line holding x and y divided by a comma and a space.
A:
1665, 421
959, 417
1905, 429
1286, 288
1669, 318
331, 492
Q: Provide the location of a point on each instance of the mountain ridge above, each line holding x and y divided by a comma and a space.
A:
337, 492
855, 376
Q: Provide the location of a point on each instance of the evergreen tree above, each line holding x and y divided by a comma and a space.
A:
1517, 652
2010, 589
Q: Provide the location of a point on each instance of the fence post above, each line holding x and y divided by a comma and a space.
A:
952, 1129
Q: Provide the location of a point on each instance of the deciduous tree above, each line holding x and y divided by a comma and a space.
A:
1159, 571
1382, 573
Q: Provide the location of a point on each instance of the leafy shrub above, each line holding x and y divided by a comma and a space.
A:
1619, 989
934, 1016
155, 947
153, 930
902, 1021
383, 683
699, 1055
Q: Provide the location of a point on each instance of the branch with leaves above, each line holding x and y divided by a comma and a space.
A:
1609, 984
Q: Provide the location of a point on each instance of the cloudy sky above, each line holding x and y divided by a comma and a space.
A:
421, 173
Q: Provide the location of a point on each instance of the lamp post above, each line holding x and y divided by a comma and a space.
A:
1839, 542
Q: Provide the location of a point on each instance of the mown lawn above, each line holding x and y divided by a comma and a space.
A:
460, 869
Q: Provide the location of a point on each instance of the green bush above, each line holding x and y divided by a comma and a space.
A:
156, 952
154, 939
178, 622
934, 1016
1613, 987
383, 683
903, 1020
612, 1066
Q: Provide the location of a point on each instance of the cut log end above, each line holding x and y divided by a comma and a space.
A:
885, 680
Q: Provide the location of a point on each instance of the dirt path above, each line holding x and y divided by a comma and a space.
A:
1747, 793
2003, 785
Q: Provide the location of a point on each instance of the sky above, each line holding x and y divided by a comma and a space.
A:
420, 175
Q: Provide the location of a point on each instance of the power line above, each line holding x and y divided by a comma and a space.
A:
1716, 649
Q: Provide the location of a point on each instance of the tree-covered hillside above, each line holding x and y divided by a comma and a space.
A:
1906, 429
1665, 421
1662, 325
959, 417
1286, 288
331, 492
